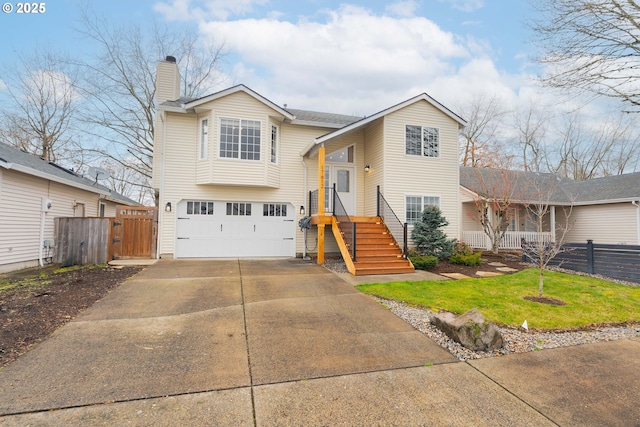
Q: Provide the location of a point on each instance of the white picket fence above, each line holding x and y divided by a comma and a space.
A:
511, 239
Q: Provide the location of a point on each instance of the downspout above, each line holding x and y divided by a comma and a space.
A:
637, 205
304, 198
161, 190
41, 243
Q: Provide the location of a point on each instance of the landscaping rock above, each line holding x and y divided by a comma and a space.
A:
471, 330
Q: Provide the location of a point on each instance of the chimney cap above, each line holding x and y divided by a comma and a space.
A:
170, 59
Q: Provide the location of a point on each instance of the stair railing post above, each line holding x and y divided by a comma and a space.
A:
405, 246
353, 241
378, 200
333, 199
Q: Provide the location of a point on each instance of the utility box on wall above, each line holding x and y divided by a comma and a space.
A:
46, 204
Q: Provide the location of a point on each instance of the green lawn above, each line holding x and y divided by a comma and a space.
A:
588, 301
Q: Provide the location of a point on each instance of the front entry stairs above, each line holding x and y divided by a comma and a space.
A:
376, 251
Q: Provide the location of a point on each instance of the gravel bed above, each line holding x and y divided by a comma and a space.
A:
516, 340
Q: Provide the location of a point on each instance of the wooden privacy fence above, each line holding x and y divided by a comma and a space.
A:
81, 241
134, 232
616, 261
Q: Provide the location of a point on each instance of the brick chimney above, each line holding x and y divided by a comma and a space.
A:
167, 80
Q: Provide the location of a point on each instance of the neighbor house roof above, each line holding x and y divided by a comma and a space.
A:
524, 187
14, 159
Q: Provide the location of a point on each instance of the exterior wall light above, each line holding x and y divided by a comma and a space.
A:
302, 211
367, 168
167, 207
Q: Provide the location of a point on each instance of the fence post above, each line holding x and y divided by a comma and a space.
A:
378, 200
590, 263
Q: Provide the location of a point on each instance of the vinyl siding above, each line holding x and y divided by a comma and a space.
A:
20, 213
418, 175
373, 156
180, 183
605, 224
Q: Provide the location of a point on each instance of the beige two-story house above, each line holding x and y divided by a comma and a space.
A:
236, 173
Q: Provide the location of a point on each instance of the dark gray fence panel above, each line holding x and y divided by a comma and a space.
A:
615, 261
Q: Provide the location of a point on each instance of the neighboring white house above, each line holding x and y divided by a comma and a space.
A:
32, 193
605, 210
236, 172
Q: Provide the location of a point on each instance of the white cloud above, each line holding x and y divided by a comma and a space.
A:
350, 61
185, 10
404, 9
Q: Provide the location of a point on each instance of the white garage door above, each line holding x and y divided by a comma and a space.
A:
215, 229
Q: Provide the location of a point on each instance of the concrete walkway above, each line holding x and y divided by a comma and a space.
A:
285, 342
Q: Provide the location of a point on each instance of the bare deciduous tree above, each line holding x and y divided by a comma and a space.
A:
479, 146
119, 83
542, 249
531, 126
496, 192
39, 113
591, 46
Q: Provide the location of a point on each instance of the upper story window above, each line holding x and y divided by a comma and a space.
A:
414, 205
274, 143
240, 139
203, 151
422, 141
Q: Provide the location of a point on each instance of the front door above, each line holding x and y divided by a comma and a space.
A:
343, 178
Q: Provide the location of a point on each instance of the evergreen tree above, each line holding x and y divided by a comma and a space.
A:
428, 236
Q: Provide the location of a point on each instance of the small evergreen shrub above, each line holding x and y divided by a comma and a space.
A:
428, 236
424, 262
472, 259
464, 255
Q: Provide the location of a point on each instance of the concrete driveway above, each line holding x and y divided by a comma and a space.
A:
285, 342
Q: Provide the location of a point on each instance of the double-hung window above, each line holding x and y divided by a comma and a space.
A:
422, 141
204, 139
240, 139
414, 205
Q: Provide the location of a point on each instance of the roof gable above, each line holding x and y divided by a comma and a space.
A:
185, 104
366, 120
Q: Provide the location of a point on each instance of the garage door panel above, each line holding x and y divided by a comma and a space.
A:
222, 235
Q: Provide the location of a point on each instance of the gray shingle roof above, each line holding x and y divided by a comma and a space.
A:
13, 155
532, 186
323, 118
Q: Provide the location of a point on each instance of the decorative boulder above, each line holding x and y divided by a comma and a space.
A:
471, 330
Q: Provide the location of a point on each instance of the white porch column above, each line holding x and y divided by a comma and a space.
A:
552, 220
487, 239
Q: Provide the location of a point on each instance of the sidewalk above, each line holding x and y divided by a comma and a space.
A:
285, 342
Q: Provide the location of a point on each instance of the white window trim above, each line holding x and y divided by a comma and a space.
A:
203, 140
271, 143
422, 196
102, 207
239, 159
421, 155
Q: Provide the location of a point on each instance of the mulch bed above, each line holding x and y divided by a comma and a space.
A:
36, 302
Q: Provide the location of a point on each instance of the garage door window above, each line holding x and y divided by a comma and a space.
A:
199, 208
274, 209
239, 209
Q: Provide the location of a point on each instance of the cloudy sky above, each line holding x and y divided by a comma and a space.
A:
351, 57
